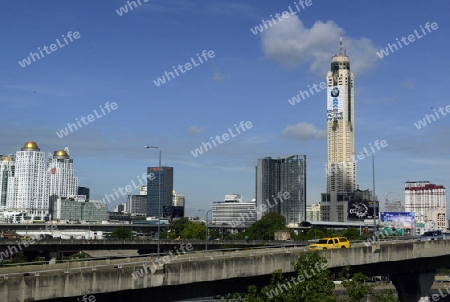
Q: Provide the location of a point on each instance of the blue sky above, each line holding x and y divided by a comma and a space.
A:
250, 78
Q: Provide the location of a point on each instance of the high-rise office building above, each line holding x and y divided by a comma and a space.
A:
161, 186
341, 166
427, 201
6, 171
62, 180
275, 177
29, 185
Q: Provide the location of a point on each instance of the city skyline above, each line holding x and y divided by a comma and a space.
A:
106, 77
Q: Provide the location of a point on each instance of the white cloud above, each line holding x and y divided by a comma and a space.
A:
290, 43
194, 130
304, 131
218, 76
408, 84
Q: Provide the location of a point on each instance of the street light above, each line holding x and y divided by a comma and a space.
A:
159, 194
206, 224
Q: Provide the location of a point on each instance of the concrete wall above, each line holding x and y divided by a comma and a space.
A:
79, 278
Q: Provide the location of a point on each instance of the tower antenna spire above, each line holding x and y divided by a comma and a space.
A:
340, 44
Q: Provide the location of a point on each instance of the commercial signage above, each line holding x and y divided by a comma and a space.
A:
335, 103
360, 209
398, 220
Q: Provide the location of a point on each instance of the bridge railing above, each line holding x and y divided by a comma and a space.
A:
191, 256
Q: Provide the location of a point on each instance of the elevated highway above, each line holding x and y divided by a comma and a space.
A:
411, 266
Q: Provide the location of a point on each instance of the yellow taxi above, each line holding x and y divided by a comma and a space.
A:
330, 243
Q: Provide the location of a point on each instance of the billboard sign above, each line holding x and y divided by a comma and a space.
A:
398, 221
360, 209
335, 103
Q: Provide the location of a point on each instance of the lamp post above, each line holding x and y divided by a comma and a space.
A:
206, 224
159, 194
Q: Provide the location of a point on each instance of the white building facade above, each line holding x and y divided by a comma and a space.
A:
232, 211
28, 187
62, 180
427, 201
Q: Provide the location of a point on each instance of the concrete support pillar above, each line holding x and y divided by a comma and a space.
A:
413, 286
53, 256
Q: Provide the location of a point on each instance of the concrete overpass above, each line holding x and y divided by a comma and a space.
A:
143, 246
411, 266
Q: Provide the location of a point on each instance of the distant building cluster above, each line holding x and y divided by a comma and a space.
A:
36, 187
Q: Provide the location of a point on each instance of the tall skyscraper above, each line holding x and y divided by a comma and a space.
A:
29, 185
62, 180
280, 176
6, 171
428, 202
160, 185
341, 167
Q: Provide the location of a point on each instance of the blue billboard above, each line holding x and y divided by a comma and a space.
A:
398, 222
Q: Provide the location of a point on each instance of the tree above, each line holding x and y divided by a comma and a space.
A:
194, 230
356, 288
312, 283
351, 233
121, 233
265, 228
